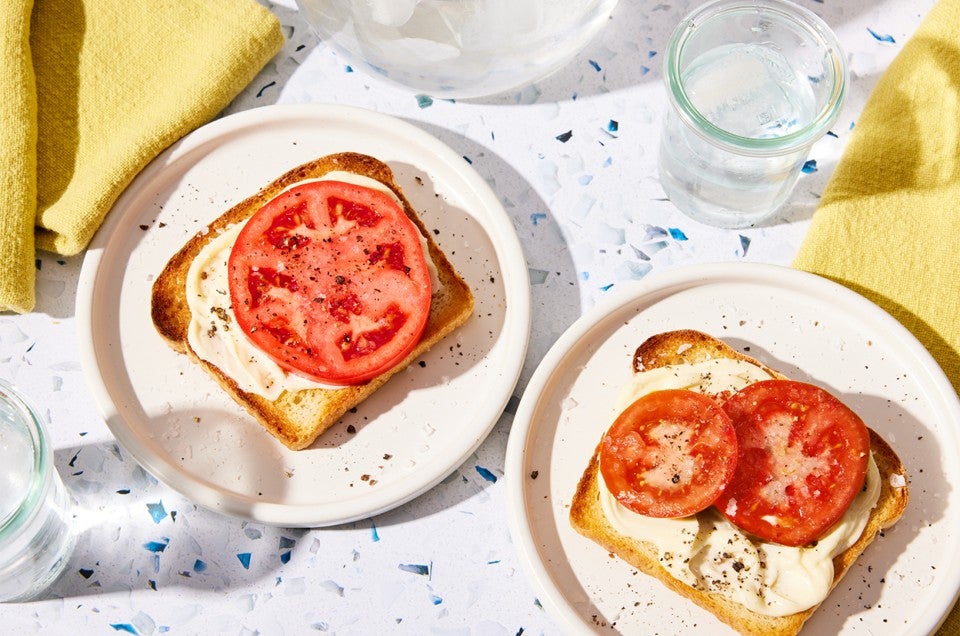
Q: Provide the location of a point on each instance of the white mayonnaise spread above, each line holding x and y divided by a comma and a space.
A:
708, 552
213, 333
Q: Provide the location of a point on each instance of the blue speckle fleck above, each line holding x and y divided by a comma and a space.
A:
585, 179
163, 629
348, 68
265, 87
436, 600
651, 53
244, 558
584, 275
608, 162
809, 166
744, 244
595, 66
493, 562
656, 246
424, 101
606, 287
644, 70
486, 474
654, 232
613, 125
285, 557
286, 543
157, 511
199, 566
124, 627
564, 137
152, 584
415, 568
630, 270
881, 38
536, 217
537, 276
830, 133
677, 234
374, 535
157, 546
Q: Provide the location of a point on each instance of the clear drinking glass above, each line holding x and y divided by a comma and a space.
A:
36, 537
751, 86
458, 48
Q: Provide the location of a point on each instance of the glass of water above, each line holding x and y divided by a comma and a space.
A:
36, 537
458, 48
751, 85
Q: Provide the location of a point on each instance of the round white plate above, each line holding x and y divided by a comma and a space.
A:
406, 438
803, 325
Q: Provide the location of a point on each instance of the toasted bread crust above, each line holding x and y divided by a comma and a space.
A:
297, 418
686, 346
587, 516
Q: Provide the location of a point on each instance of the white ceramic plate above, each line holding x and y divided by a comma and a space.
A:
811, 329
412, 433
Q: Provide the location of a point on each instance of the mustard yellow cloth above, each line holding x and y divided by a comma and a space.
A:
90, 92
888, 225
18, 158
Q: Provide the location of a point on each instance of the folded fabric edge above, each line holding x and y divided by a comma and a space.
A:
18, 142
63, 232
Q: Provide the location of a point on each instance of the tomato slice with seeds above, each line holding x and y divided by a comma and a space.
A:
669, 454
802, 459
330, 279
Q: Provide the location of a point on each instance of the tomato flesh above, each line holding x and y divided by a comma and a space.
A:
802, 459
330, 279
669, 454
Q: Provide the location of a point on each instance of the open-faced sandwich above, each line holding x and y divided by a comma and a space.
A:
742, 490
303, 299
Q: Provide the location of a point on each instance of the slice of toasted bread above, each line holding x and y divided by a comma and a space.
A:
588, 518
297, 418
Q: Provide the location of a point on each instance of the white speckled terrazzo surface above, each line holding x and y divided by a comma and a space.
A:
573, 161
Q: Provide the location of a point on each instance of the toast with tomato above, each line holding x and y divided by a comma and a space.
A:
332, 277
739, 492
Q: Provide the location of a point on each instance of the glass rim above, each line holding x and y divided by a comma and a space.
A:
41, 461
805, 20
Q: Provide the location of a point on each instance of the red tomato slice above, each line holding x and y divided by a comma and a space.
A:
331, 281
669, 454
802, 459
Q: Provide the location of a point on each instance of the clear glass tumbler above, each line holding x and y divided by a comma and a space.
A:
458, 48
36, 537
751, 86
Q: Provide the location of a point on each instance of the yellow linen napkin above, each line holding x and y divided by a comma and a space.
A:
116, 83
888, 225
18, 158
